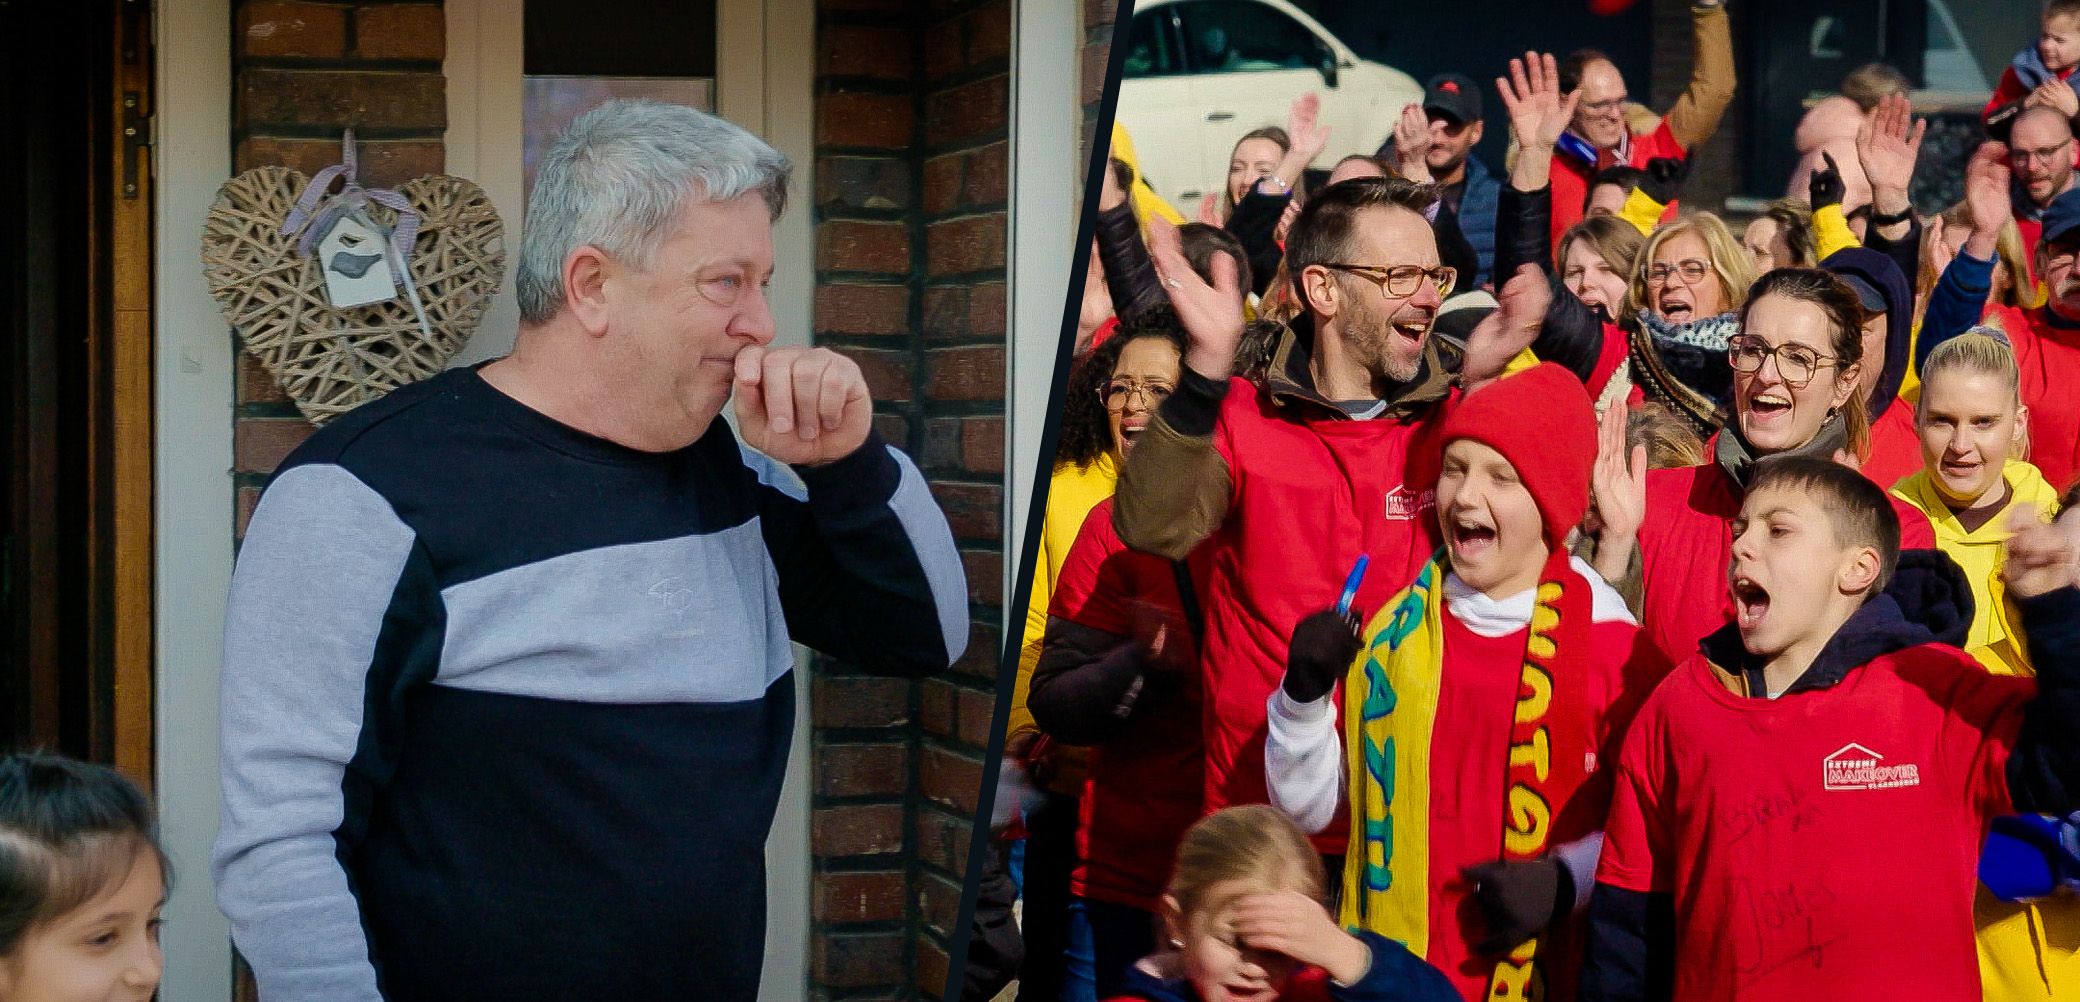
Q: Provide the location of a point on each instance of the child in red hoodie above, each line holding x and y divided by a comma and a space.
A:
1799, 808
2040, 73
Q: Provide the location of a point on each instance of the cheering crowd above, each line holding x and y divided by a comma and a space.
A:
1462, 585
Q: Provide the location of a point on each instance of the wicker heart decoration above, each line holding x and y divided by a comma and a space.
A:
332, 360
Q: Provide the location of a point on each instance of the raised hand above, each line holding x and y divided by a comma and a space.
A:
1509, 330
1538, 112
1665, 177
1412, 144
1619, 484
1887, 145
1986, 195
1285, 220
1323, 647
1303, 127
1210, 209
1211, 314
1826, 186
2039, 558
1297, 926
801, 406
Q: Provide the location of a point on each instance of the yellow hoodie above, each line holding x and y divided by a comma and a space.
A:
1071, 494
2027, 950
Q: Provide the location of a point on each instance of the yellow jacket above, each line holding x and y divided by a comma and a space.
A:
1147, 203
1071, 494
2027, 950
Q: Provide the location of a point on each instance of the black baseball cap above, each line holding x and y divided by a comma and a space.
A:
1454, 95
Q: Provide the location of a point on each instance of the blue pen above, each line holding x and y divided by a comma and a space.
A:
1350, 586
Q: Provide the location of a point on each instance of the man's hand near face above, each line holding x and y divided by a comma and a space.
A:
801, 406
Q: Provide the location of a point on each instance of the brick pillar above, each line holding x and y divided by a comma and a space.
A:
913, 115
304, 73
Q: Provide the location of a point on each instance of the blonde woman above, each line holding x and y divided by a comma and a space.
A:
1688, 284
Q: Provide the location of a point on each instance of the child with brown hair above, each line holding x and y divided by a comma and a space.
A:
1246, 923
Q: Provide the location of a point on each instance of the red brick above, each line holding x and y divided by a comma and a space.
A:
854, 50
894, 429
845, 245
1096, 61
942, 183
305, 30
849, 701
400, 31
988, 177
945, 311
970, 243
255, 384
989, 33
985, 571
933, 969
857, 897
989, 311
939, 904
970, 111
336, 99
860, 830
942, 49
937, 709
971, 373
862, 770
862, 183
975, 511
1100, 13
984, 655
857, 960
381, 163
951, 778
887, 372
845, 308
942, 840
248, 499
852, 119
258, 445
982, 444
975, 712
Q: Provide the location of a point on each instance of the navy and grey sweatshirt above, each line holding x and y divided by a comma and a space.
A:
506, 707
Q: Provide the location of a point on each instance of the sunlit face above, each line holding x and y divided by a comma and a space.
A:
672, 331
1606, 200
2055, 269
106, 950
2040, 152
1690, 290
1142, 379
1789, 571
1766, 244
1775, 415
1592, 279
2059, 44
1968, 422
1220, 967
1450, 139
1600, 118
1385, 333
1876, 332
1490, 521
1252, 161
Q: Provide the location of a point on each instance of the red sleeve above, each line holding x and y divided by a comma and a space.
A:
1086, 592
1915, 533
1637, 846
1659, 143
1982, 714
1615, 350
2010, 89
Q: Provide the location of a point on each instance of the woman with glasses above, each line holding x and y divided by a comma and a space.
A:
1112, 395
1795, 390
1687, 288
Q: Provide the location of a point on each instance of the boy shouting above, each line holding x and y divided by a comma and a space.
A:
1799, 807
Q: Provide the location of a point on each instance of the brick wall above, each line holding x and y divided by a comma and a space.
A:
913, 165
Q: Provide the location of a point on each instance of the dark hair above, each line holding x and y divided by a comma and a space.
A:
1086, 433
1794, 220
1376, 162
1623, 176
1845, 317
1327, 224
1572, 67
1202, 241
1873, 82
68, 831
1858, 509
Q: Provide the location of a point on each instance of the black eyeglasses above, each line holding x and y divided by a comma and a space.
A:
1797, 364
1403, 280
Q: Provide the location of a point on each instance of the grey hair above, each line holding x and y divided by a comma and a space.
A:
616, 178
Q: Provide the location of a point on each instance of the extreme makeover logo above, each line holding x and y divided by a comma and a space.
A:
1855, 767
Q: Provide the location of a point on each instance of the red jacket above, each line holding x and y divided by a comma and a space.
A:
1571, 176
1685, 546
2049, 357
1895, 448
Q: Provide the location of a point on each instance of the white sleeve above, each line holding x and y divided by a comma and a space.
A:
1303, 760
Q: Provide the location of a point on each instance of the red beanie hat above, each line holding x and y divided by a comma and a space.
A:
1541, 420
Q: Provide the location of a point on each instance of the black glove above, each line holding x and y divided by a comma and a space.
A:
1827, 187
1520, 899
1665, 177
1323, 646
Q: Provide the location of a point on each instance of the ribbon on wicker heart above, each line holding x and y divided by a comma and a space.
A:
317, 212
330, 360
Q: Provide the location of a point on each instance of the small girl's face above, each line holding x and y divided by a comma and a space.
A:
106, 950
1219, 965
2059, 45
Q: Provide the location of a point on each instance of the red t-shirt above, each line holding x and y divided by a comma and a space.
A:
1685, 546
1468, 765
1145, 785
1895, 451
1571, 176
2049, 359
1825, 844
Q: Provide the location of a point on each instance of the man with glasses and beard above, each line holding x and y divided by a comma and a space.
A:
1600, 137
2040, 155
1272, 491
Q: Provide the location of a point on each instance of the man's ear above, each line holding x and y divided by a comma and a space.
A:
585, 274
1473, 132
1860, 572
1323, 296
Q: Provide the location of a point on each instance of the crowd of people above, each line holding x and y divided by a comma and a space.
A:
1460, 583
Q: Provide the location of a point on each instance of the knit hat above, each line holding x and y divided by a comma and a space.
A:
1541, 420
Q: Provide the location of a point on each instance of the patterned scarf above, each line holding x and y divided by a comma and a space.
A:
1390, 714
1684, 366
